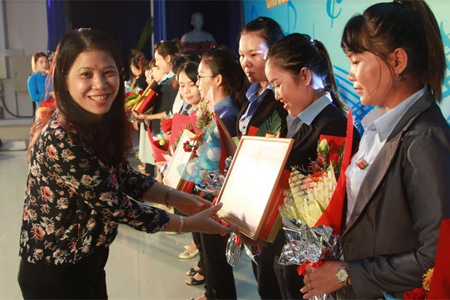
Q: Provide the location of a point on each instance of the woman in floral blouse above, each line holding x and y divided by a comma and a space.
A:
81, 187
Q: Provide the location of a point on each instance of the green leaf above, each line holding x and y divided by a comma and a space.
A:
271, 126
145, 35
320, 206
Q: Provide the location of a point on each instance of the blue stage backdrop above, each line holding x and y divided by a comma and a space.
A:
325, 20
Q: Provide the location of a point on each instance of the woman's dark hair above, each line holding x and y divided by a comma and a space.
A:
405, 24
295, 51
191, 70
34, 59
221, 61
171, 48
268, 29
183, 57
110, 139
186, 55
140, 61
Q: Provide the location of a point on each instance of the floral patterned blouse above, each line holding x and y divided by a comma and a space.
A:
74, 203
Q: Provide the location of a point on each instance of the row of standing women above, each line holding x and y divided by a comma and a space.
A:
396, 190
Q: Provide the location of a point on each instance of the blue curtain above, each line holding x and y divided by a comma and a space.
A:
56, 22
160, 20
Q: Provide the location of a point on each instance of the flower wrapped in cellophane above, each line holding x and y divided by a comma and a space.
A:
312, 208
309, 195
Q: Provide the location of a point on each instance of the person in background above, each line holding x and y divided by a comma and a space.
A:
38, 87
165, 53
397, 183
138, 66
189, 92
187, 78
145, 151
220, 71
183, 57
81, 187
256, 38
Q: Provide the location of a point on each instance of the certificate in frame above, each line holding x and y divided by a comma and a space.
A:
250, 193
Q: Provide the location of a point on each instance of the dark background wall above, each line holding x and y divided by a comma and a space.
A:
223, 19
126, 19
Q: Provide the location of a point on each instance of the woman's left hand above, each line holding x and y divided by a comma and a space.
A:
188, 203
321, 280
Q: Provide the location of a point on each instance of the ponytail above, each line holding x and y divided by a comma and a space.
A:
435, 65
295, 51
171, 48
329, 80
221, 61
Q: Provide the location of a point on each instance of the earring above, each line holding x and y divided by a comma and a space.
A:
398, 77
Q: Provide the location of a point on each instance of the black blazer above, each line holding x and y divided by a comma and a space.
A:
264, 110
330, 121
391, 238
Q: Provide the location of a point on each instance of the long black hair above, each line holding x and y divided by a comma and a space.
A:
110, 140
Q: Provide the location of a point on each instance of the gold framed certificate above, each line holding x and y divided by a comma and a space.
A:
179, 160
250, 193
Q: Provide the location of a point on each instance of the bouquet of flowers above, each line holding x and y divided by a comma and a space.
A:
160, 147
131, 98
312, 208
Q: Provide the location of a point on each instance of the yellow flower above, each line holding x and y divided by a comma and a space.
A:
427, 279
323, 147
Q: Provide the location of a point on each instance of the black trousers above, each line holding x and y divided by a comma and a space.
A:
85, 280
219, 278
276, 281
198, 242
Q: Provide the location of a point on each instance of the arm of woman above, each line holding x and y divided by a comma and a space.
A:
78, 174
145, 188
161, 115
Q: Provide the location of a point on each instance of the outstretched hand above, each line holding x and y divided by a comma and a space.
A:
206, 221
189, 204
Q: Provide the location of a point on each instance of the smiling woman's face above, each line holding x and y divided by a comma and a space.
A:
93, 81
288, 89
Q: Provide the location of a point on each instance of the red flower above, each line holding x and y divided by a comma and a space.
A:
417, 293
187, 146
